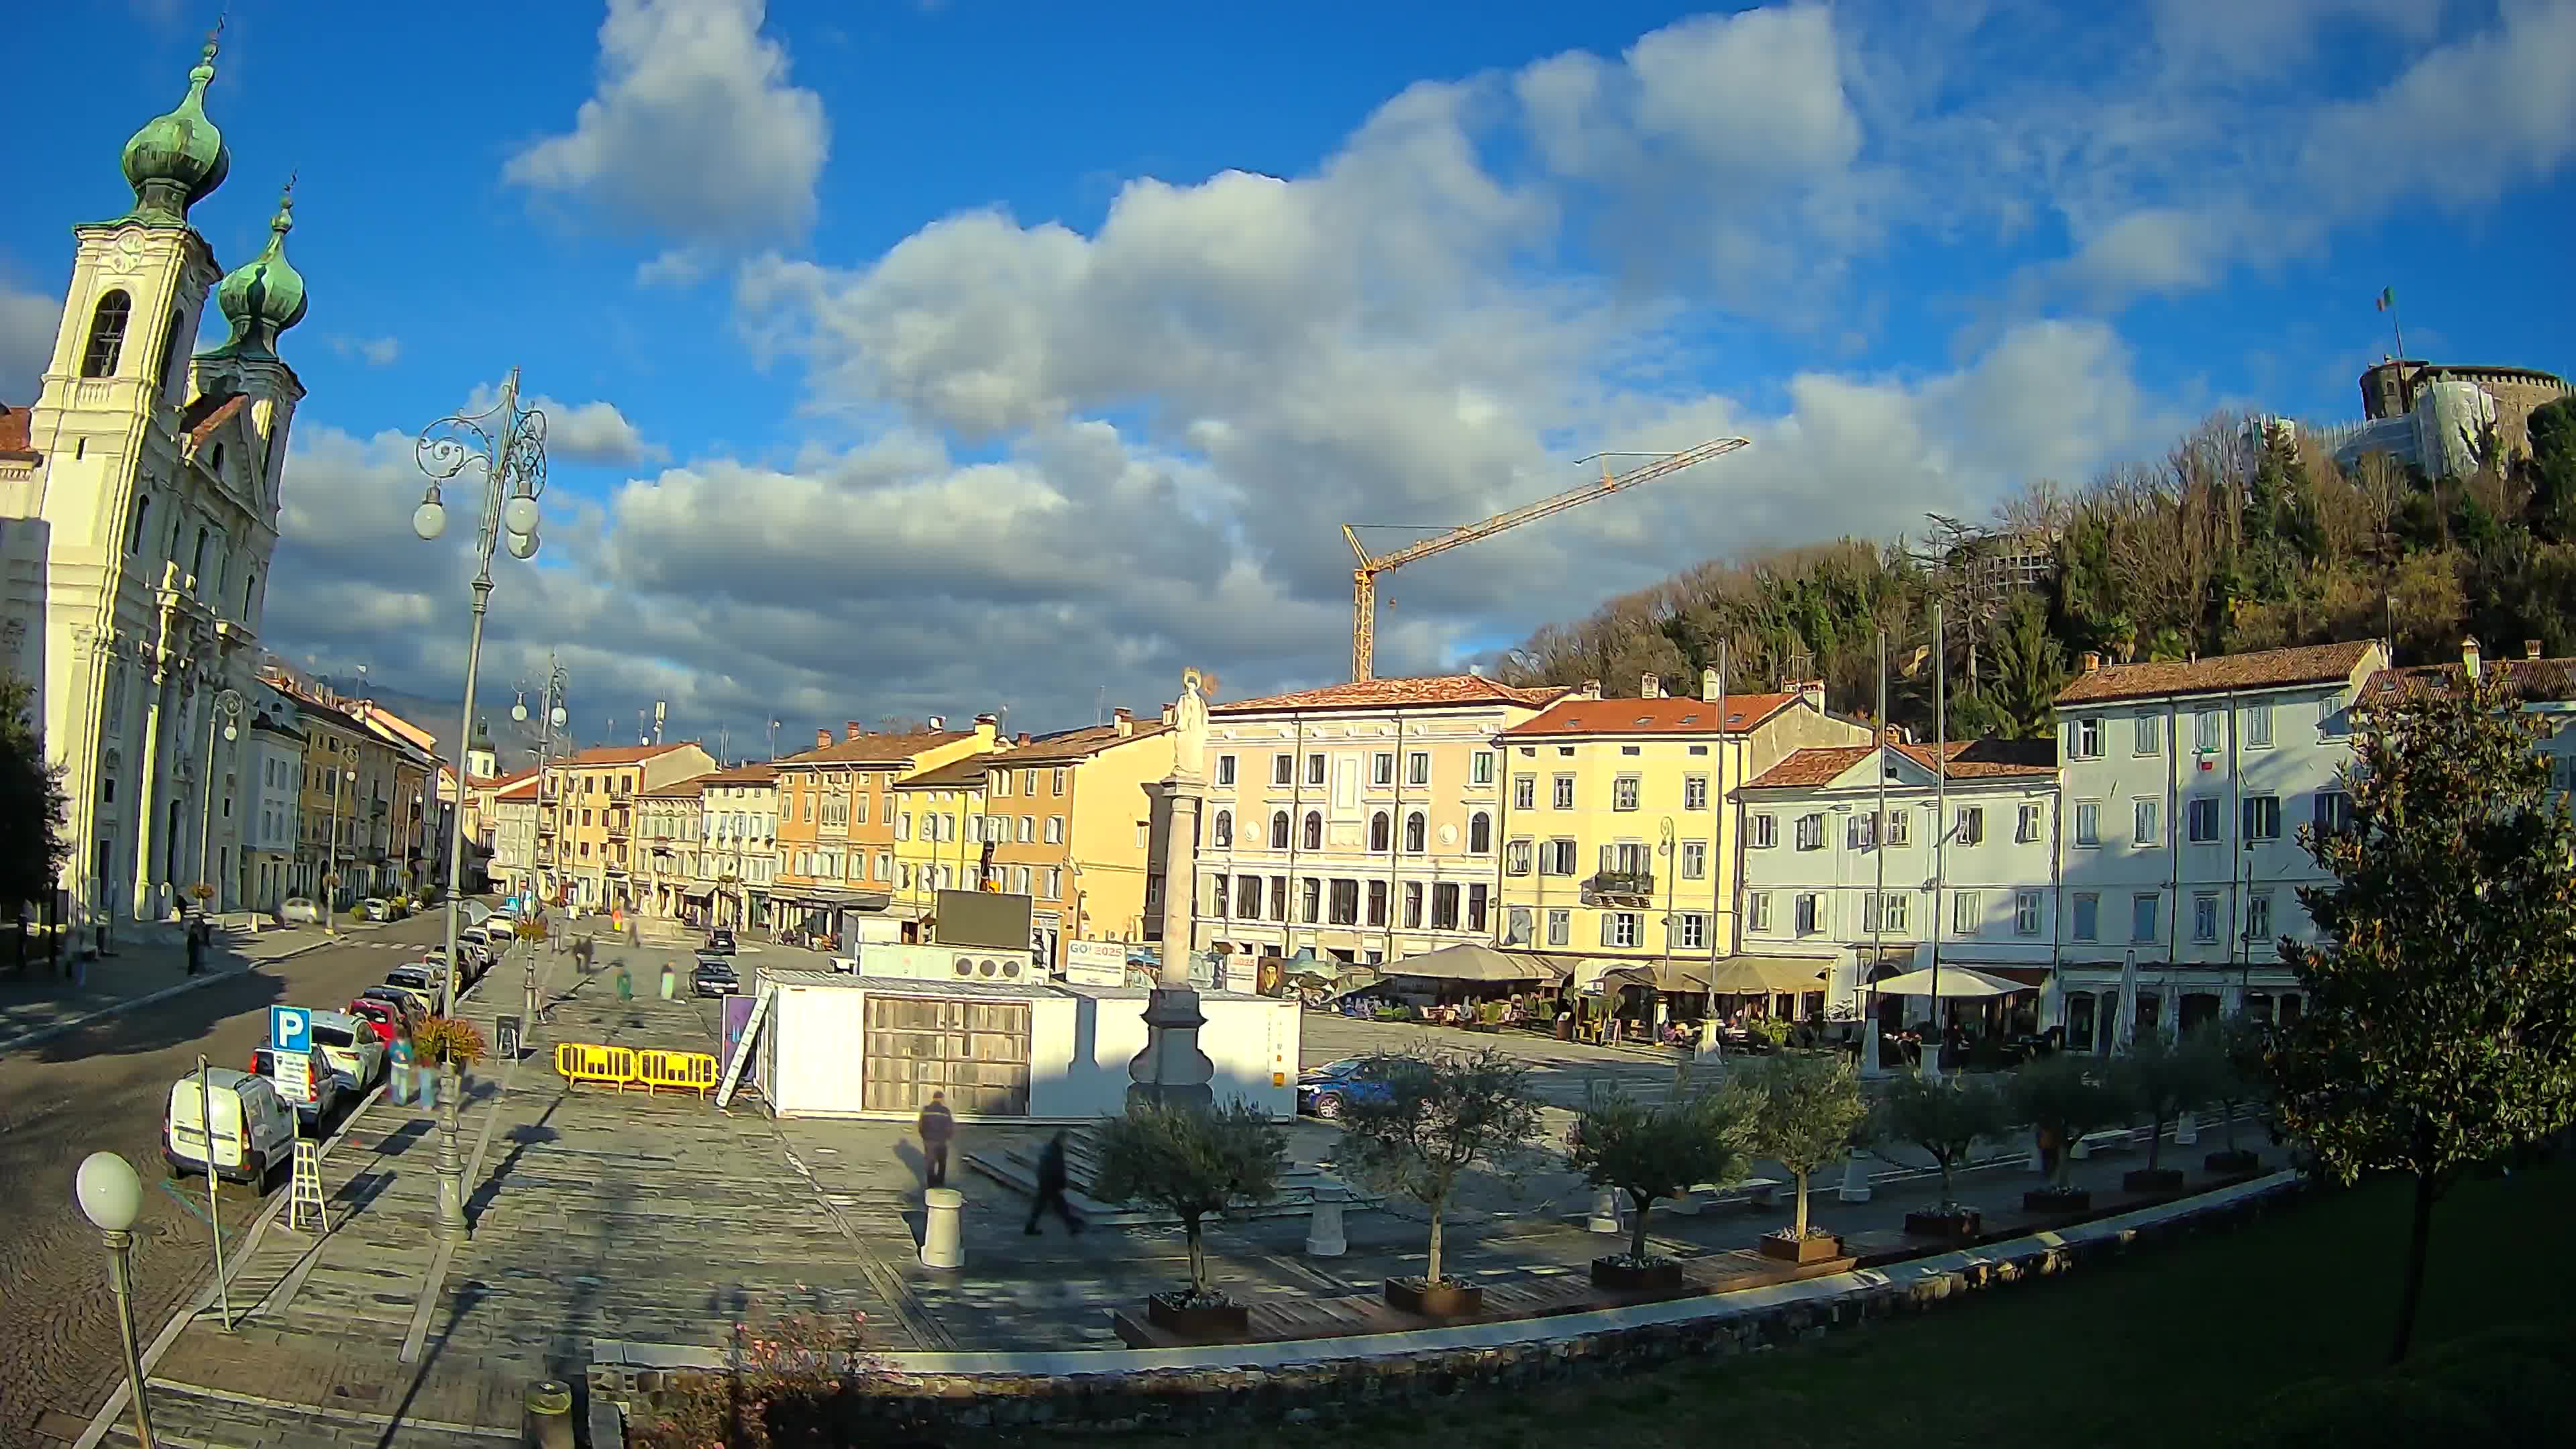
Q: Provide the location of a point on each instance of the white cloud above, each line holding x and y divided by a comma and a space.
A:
28, 324
676, 267
373, 351
696, 131
591, 432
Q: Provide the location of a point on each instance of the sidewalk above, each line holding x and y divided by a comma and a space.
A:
43, 1000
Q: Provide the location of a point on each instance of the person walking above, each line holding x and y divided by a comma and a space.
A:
399, 1083
1051, 1181
937, 1126
196, 947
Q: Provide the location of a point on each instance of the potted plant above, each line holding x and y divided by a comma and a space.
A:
1944, 1118
1191, 1164
201, 893
2161, 1080
1656, 1152
2237, 1079
2062, 1103
1439, 1115
1805, 1108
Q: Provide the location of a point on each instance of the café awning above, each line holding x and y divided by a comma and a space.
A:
1469, 962
1766, 975
1956, 982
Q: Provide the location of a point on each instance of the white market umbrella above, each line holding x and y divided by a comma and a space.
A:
1956, 982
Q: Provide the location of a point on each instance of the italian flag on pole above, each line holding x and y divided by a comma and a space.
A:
2387, 298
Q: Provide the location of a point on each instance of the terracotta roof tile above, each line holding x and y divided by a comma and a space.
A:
886, 749
965, 774
1968, 760
2263, 669
623, 754
516, 788
744, 775
1067, 748
2547, 680
688, 789
17, 441
1663, 716
1440, 689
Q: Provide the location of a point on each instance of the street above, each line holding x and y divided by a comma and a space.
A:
104, 1086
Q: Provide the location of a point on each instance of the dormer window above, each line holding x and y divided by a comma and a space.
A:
134, 529
215, 460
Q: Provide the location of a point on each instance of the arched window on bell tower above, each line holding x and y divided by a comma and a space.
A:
107, 334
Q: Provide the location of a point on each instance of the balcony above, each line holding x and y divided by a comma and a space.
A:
1621, 885
620, 826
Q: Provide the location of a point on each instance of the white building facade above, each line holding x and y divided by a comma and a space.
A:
139, 495
2185, 786
514, 834
1827, 877
737, 858
272, 800
1358, 819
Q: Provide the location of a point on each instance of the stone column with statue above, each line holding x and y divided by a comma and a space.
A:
1171, 1071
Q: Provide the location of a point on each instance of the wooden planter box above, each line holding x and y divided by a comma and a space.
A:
1617, 1275
1962, 1224
1448, 1299
1781, 1248
1212, 1321
2054, 1200
2234, 1163
2152, 1179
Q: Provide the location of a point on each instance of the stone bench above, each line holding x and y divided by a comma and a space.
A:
1755, 1191
2108, 1139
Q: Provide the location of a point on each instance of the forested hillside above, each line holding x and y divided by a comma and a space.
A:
2237, 539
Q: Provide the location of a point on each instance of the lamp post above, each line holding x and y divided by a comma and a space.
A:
111, 1196
225, 720
343, 779
551, 717
509, 444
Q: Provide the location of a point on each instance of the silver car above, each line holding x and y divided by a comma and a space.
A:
299, 911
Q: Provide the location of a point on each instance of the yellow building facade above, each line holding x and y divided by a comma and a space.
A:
1617, 827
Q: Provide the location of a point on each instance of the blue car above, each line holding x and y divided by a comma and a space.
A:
1322, 1091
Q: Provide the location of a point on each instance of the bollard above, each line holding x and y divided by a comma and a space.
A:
1605, 1211
1324, 1232
546, 1420
1685, 1202
942, 1243
1855, 1179
2187, 1129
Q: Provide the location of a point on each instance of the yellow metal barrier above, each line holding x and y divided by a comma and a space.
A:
623, 1067
682, 1071
607, 1065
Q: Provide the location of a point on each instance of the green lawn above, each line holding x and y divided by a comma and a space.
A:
2140, 1352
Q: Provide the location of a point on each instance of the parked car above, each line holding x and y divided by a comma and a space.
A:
407, 1005
719, 942
1323, 1090
715, 976
475, 912
350, 1045
252, 1127
382, 1015
299, 911
375, 908
314, 1098
418, 984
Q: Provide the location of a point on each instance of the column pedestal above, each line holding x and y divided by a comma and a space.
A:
942, 1240
1324, 1237
1605, 1211
1855, 1178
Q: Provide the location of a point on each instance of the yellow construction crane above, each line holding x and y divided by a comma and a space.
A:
1364, 577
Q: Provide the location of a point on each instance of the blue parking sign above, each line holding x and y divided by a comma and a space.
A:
290, 1029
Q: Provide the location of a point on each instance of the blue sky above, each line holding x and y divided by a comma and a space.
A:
913, 358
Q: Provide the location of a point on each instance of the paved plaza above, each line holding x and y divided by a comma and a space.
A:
661, 1219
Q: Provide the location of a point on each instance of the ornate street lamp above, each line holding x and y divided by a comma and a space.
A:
224, 720
508, 443
111, 1197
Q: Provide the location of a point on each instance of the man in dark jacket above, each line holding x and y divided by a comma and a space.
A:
1051, 1188
196, 947
937, 1126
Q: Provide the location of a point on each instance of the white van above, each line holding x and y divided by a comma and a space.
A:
254, 1128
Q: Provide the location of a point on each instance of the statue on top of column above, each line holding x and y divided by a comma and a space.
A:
1190, 720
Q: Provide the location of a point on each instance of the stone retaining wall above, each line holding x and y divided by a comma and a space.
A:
1338, 1375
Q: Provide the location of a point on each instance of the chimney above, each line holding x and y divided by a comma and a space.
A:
822, 738
852, 726
1650, 687
2092, 662
1023, 739
1588, 689
939, 721
2530, 648
1169, 713
1124, 721
2469, 656
1708, 685
986, 726
1813, 692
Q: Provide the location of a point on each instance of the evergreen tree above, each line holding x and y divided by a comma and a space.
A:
2551, 472
33, 806
2440, 1027
2030, 668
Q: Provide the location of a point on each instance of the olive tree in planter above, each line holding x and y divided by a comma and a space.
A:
1944, 1117
1190, 1164
1805, 1107
1657, 1152
2058, 1096
2162, 1080
2236, 1080
1439, 1115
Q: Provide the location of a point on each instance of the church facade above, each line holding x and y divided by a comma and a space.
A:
138, 515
